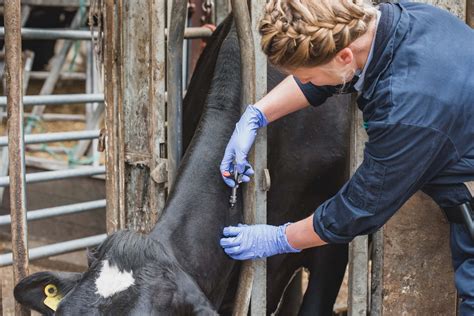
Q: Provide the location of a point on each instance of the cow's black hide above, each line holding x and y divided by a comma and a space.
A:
180, 269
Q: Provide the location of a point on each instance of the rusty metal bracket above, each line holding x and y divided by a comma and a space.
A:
160, 173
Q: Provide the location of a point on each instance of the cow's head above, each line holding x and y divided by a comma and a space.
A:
128, 274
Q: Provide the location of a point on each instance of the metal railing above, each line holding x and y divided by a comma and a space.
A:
56, 175
56, 211
55, 34
57, 249
54, 137
57, 99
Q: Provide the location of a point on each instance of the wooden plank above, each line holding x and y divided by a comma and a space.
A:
358, 248
258, 158
113, 124
141, 113
16, 148
157, 106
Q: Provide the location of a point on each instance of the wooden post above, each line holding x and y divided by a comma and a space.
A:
358, 248
16, 145
113, 124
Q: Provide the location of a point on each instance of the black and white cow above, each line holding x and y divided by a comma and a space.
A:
179, 268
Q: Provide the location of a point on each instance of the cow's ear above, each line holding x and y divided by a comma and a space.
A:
31, 291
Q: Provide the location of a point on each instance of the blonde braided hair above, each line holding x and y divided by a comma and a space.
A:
308, 33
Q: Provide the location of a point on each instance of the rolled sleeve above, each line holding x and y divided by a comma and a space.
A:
314, 94
398, 160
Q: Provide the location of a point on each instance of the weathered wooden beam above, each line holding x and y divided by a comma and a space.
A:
174, 73
252, 282
258, 158
13, 75
358, 248
113, 122
139, 113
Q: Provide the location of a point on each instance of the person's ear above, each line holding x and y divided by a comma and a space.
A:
344, 57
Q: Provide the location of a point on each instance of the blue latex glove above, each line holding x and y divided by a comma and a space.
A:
239, 145
255, 241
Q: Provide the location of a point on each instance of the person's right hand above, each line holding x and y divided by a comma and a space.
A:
239, 145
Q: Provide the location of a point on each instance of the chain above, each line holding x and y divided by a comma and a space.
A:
207, 6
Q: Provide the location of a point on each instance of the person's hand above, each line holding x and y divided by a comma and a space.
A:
245, 242
239, 145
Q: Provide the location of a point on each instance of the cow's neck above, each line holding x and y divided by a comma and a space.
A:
198, 206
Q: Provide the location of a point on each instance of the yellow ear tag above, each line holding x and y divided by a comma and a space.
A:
52, 296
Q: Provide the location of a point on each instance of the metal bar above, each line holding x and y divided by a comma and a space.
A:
56, 175
57, 99
13, 75
54, 117
94, 110
174, 85
57, 249
54, 137
195, 32
53, 3
247, 58
41, 75
68, 34
57, 211
48, 117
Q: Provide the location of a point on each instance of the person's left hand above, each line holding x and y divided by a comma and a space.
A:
245, 242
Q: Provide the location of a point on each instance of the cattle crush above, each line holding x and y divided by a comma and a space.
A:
145, 69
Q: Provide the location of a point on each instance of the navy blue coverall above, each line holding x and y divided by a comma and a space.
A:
417, 101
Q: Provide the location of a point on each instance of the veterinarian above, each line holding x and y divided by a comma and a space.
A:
412, 67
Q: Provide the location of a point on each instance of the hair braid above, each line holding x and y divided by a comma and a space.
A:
298, 33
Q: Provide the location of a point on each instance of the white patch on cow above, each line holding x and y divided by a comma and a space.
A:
111, 280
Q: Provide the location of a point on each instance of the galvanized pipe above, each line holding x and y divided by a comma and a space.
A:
57, 249
54, 137
58, 99
174, 85
57, 175
55, 34
56, 211
13, 75
42, 75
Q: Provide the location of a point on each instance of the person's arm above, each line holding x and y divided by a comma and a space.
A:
284, 99
399, 159
287, 97
301, 235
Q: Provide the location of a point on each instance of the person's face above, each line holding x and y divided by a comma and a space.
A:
339, 70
